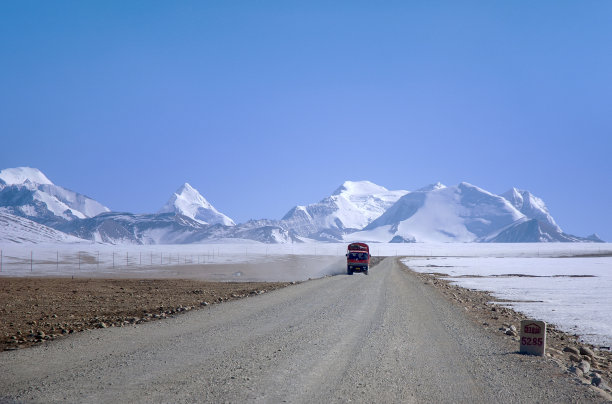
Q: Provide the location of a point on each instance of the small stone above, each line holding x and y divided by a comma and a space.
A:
204, 304
577, 371
584, 366
571, 349
513, 328
511, 333
586, 351
102, 325
574, 358
596, 380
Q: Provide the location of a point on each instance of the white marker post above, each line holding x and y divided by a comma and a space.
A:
533, 337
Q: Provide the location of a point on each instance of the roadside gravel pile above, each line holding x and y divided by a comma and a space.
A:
33, 310
586, 363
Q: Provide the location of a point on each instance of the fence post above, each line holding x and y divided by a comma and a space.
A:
0, 260
57, 260
31, 261
98, 261
79, 254
113, 260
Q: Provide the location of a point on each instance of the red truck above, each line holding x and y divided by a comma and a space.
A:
357, 258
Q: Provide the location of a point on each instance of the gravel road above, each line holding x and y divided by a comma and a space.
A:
385, 337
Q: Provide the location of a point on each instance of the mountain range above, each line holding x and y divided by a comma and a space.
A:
33, 209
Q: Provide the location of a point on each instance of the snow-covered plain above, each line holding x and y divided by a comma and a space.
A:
567, 284
563, 285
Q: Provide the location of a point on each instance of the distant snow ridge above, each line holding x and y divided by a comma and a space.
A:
351, 207
463, 213
19, 230
33, 209
27, 192
187, 201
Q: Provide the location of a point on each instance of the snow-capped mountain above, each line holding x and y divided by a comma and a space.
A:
16, 229
187, 201
351, 207
463, 213
33, 209
28, 193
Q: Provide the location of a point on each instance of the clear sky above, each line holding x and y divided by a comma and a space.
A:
262, 105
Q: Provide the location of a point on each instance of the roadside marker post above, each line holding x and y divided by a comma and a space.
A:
533, 337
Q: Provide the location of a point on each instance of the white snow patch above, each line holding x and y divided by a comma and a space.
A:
22, 175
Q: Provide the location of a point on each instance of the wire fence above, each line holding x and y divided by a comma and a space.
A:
62, 261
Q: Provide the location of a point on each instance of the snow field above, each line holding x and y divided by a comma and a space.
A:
574, 293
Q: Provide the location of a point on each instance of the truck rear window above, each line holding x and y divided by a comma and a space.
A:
358, 256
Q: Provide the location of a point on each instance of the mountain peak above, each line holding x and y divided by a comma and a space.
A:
359, 188
431, 187
191, 195
186, 187
23, 175
530, 205
187, 201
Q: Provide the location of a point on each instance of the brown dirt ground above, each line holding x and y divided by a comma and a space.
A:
33, 310
481, 307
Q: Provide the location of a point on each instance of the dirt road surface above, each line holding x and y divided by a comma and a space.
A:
385, 337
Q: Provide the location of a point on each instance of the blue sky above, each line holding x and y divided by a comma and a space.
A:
263, 105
